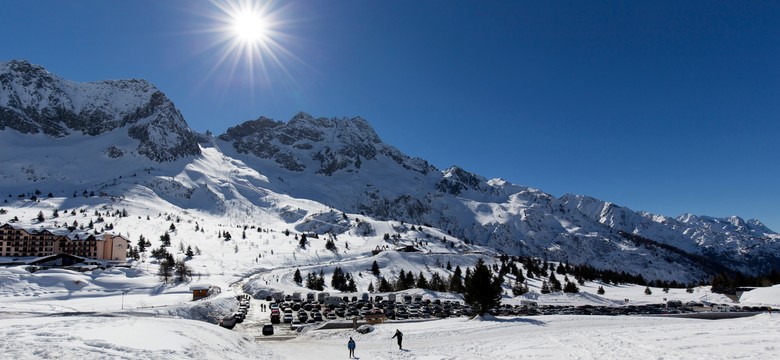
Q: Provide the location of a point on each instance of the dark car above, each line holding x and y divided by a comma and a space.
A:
239, 316
228, 322
268, 329
316, 316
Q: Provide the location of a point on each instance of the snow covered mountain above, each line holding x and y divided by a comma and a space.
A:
32, 101
127, 141
343, 163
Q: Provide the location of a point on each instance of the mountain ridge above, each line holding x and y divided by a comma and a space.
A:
32, 100
265, 168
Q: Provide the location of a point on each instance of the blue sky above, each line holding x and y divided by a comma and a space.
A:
663, 106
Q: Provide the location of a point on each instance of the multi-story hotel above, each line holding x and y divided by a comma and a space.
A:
18, 242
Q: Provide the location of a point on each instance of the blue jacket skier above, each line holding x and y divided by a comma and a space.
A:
351, 347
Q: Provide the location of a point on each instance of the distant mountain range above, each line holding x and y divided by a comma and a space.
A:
125, 138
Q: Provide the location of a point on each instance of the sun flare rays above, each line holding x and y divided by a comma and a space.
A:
250, 43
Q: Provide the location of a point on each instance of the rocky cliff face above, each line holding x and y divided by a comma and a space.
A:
344, 164
32, 100
322, 146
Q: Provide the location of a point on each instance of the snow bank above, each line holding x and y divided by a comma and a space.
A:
80, 337
767, 296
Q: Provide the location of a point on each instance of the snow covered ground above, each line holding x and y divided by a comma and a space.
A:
127, 313
68, 315
548, 337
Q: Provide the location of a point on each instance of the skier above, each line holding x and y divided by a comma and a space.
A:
400, 336
351, 347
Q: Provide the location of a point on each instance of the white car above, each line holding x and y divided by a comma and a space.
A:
295, 324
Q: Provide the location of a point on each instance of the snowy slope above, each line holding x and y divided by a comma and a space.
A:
343, 163
72, 139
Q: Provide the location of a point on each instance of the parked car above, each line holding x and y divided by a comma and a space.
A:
268, 329
295, 324
228, 322
288, 318
239, 316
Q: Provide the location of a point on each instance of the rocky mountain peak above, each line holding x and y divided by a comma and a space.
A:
323, 145
456, 180
32, 100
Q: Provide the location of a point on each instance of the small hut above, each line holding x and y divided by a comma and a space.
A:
199, 291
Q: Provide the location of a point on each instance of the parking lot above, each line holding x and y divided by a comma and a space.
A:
288, 313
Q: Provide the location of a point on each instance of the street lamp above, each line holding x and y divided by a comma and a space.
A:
123, 297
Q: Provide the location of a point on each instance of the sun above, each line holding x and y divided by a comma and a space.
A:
249, 26
250, 40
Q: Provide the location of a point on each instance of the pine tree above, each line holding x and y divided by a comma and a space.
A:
338, 281
556, 285
456, 281
182, 271
375, 268
371, 287
302, 242
600, 290
297, 277
40, 216
384, 285
518, 289
142, 244
648, 291
560, 269
482, 290
571, 287
545, 288
422, 282
436, 283
409, 281
189, 252
311, 281
351, 287
165, 271
165, 239
400, 284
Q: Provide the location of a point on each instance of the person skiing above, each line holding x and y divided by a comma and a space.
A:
400, 336
351, 347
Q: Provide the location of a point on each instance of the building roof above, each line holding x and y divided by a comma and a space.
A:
200, 286
44, 259
75, 235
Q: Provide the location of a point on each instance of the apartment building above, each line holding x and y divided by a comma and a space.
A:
19, 242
